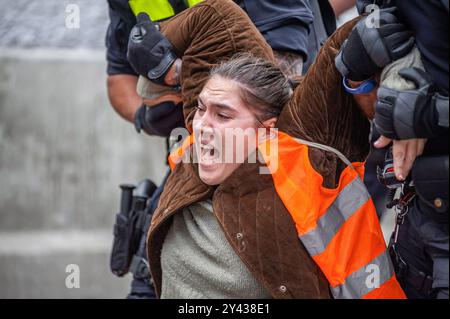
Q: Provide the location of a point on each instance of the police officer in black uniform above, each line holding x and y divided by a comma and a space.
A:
420, 244
286, 25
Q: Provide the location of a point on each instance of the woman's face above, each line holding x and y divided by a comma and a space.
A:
222, 117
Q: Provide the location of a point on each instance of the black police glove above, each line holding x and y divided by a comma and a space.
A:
369, 49
159, 120
418, 113
364, 6
149, 52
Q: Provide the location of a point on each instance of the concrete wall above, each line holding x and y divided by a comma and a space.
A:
42, 23
63, 153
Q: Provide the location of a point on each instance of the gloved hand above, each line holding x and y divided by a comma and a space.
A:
418, 113
369, 49
159, 120
149, 52
363, 5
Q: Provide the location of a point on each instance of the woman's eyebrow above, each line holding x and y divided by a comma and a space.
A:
218, 105
200, 100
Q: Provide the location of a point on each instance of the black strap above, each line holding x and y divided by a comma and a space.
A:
319, 25
328, 17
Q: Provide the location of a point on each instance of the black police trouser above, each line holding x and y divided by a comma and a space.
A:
422, 264
141, 286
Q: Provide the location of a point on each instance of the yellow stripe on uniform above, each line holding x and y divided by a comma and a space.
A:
192, 3
156, 9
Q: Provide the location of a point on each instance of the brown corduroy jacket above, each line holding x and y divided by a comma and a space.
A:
251, 214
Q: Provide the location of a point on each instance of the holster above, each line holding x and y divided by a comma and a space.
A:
129, 225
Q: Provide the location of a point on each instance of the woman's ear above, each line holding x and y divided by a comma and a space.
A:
270, 123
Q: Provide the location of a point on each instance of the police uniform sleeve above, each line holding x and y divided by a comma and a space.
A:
285, 24
122, 21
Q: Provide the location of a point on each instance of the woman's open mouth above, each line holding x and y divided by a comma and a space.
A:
209, 155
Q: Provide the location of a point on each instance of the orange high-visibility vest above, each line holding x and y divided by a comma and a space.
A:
338, 227
176, 156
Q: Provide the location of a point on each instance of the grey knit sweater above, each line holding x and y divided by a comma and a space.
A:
198, 262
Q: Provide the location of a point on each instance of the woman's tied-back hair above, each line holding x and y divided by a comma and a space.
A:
263, 87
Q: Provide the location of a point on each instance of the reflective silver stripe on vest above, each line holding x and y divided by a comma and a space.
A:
349, 201
365, 280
